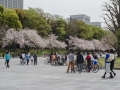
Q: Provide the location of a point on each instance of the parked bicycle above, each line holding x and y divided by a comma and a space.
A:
48, 61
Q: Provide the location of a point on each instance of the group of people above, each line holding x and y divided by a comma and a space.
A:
92, 59
23, 58
109, 63
26, 57
57, 59
80, 59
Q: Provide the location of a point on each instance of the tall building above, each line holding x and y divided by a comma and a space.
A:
82, 17
12, 3
97, 24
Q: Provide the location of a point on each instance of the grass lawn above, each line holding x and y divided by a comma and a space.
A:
117, 62
37, 51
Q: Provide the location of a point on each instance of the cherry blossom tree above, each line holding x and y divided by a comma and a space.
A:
10, 36
54, 43
30, 38
82, 44
75, 42
24, 37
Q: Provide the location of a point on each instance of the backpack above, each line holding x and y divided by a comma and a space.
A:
53, 56
88, 57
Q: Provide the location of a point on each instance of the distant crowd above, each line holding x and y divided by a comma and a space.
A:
72, 59
25, 58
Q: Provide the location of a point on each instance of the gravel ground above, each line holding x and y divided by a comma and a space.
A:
47, 77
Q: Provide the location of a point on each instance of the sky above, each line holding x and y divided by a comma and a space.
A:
65, 8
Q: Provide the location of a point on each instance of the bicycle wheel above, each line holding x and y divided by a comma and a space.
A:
84, 68
46, 61
23, 63
95, 69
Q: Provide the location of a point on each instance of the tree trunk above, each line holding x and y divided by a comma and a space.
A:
37, 50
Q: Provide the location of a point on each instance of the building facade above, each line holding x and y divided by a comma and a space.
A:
12, 3
82, 17
96, 24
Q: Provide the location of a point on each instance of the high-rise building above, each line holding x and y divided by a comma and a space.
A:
12, 3
97, 24
82, 17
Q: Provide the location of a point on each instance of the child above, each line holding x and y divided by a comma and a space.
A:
32, 59
95, 62
7, 58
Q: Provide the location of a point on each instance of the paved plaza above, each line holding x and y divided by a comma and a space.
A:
47, 77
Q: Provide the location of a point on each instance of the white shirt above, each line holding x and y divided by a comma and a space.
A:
91, 57
23, 55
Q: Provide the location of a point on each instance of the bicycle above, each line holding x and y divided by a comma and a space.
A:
100, 65
94, 68
47, 61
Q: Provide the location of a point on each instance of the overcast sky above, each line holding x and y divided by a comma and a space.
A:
65, 8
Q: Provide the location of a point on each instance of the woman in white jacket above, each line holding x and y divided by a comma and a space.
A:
112, 57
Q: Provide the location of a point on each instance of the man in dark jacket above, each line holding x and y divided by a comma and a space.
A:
35, 59
80, 61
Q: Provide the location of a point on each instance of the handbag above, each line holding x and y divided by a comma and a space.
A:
110, 58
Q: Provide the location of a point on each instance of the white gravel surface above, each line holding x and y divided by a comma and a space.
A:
47, 77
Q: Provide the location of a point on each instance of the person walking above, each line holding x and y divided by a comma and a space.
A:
112, 56
35, 59
80, 61
53, 59
21, 58
88, 58
71, 62
107, 65
27, 58
7, 58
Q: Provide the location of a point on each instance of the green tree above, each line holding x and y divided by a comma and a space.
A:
79, 29
11, 19
35, 21
1, 14
58, 28
22, 16
98, 32
1, 9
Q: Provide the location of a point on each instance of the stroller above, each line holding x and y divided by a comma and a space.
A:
23, 61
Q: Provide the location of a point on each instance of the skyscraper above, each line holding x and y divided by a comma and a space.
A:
82, 17
97, 24
12, 3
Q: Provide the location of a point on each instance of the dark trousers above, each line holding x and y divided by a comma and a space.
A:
89, 65
80, 66
27, 61
35, 61
7, 61
112, 66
